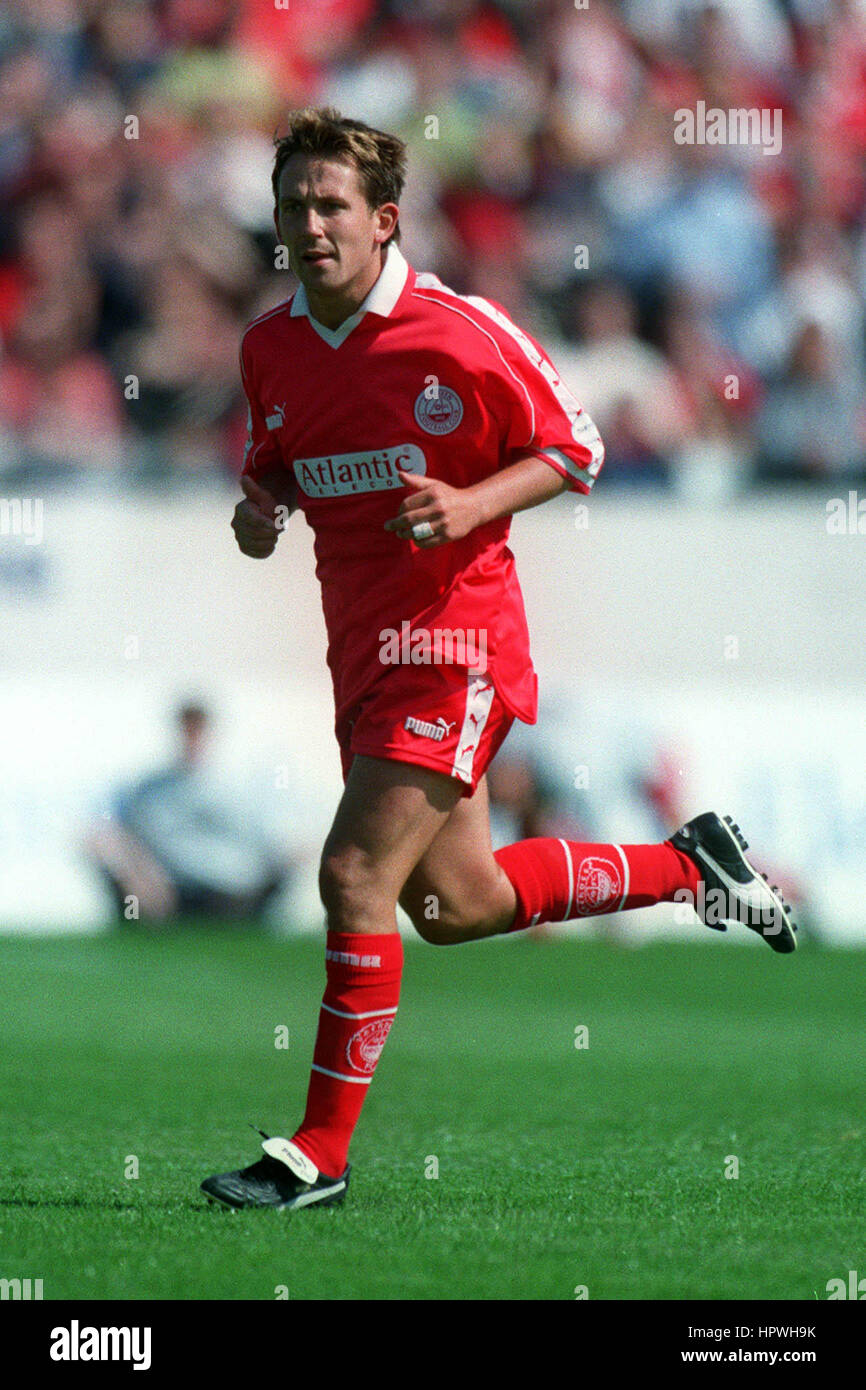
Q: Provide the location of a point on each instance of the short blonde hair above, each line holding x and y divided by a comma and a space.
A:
379, 158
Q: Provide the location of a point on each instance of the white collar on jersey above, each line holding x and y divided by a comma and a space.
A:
381, 299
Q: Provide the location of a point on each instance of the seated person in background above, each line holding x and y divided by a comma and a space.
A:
178, 844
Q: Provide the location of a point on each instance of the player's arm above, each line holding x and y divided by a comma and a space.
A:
269, 492
552, 441
453, 512
526, 483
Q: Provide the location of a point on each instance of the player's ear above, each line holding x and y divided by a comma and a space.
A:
387, 215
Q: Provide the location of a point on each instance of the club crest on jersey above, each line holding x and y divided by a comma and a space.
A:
599, 885
439, 413
364, 1047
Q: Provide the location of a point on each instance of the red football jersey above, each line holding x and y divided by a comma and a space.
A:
434, 383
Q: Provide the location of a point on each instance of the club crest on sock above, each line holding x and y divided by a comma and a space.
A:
599, 885
364, 1046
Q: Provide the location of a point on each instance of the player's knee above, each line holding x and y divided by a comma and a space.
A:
433, 931
442, 923
425, 910
350, 893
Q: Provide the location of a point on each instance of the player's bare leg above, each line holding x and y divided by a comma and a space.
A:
388, 817
403, 832
457, 890
461, 890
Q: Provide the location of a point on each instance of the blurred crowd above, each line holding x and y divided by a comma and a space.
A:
713, 325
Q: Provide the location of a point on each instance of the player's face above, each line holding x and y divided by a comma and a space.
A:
333, 238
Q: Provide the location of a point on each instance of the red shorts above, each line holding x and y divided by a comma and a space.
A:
441, 717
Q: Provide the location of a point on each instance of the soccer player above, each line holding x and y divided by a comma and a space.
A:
409, 424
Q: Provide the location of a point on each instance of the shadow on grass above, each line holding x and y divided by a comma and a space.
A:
100, 1204
180, 1204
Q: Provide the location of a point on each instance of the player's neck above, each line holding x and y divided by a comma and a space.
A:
332, 308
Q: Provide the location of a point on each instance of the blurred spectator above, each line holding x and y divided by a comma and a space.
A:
720, 394
710, 234
59, 405
184, 357
177, 844
524, 803
813, 423
817, 284
629, 389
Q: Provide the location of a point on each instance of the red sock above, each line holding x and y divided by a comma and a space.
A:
556, 880
358, 1008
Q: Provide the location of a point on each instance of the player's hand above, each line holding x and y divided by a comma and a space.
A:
255, 521
451, 512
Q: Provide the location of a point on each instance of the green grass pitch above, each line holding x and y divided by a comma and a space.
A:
559, 1167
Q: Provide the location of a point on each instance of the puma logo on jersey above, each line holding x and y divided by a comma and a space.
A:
278, 419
